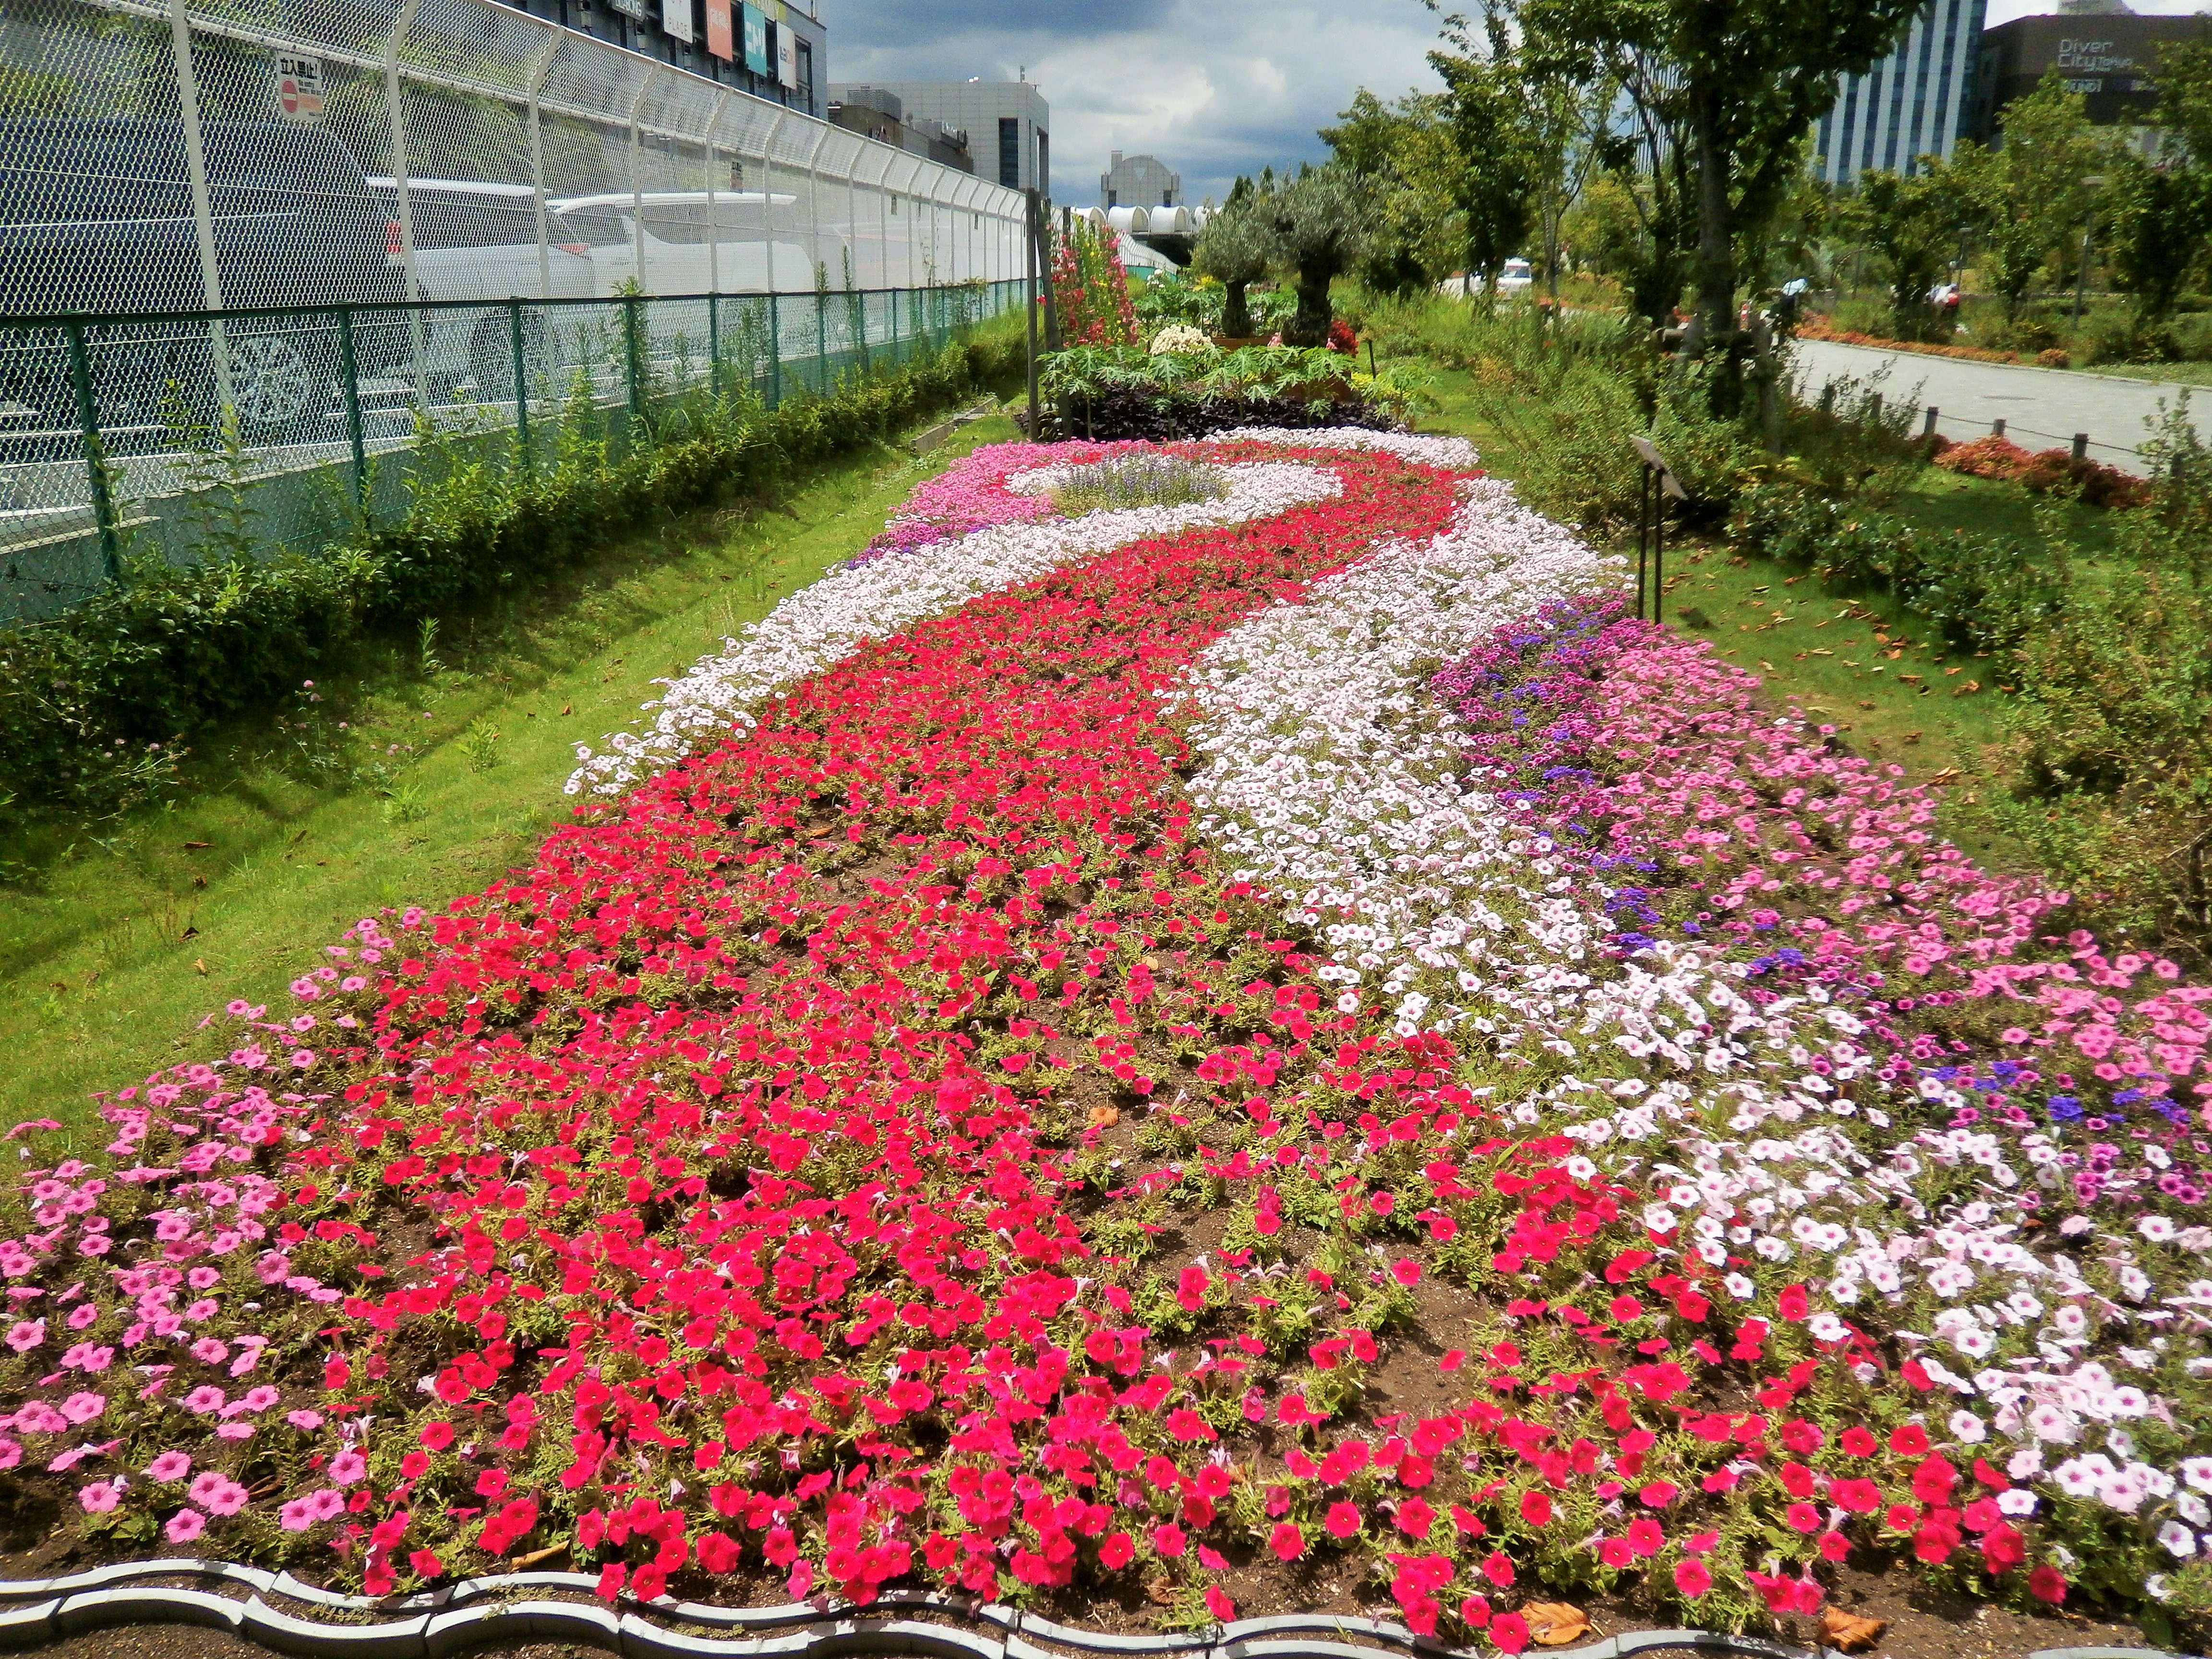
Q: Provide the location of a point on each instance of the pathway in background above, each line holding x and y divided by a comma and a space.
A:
2042, 408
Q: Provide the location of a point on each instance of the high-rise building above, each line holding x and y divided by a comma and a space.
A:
2105, 53
1008, 123
1139, 181
1919, 100
773, 49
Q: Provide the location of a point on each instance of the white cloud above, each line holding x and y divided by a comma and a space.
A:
1213, 88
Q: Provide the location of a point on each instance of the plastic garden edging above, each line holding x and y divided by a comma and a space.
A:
520, 1606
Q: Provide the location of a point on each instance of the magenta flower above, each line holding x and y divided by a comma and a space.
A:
187, 1525
100, 1497
169, 1466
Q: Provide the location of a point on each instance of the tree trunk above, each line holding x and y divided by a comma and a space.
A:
1716, 334
1310, 325
1236, 315
1716, 231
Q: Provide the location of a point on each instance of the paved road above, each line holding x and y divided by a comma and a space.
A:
2041, 407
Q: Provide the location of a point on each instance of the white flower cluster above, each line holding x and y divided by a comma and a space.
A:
825, 622
1331, 778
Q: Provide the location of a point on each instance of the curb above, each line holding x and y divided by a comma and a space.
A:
519, 1607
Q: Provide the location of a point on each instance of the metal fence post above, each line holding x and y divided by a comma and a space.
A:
349, 379
774, 354
821, 346
95, 458
521, 386
715, 345
631, 352
896, 295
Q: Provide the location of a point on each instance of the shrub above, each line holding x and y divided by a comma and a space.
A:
1983, 592
169, 650
1132, 392
2042, 471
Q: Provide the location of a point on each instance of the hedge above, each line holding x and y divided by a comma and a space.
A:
171, 650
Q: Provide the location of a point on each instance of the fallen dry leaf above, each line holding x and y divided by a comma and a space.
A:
1554, 1624
520, 1563
1104, 1117
1850, 1633
564, 708
1948, 774
1160, 1591
196, 846
199, 967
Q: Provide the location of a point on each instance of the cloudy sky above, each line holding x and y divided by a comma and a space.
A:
1213, 88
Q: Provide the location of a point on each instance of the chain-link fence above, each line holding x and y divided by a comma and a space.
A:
331, 422
280, 221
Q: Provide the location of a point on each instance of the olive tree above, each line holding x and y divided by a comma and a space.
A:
1234, 250
1316, 226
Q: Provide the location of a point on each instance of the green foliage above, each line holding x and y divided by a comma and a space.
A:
1316, 225
1405, 151
1918, 225
1984, 592
2030, 204
2156, 220
169, 650
1172, 296
1726, 92
1234, 250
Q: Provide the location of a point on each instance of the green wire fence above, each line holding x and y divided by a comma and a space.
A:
197, 434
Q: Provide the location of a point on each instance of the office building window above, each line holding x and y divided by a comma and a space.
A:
1044, 163
1010, 151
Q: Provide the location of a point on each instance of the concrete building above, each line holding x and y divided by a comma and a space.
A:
874, 113
773, 49
1139, 181
2106, 52
1008, 123
1919, 100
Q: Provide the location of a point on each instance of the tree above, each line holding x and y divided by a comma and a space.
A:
2028, 195
2155, 220
1316, 225
1915, 223
1233, 249
1404, 150
1496, 181
1736, 83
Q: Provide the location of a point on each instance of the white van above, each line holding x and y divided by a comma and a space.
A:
477, 240
692, 242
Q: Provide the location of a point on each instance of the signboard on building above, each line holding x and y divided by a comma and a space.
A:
676, 18
720, 37
787, 55
299, 87
755, 38
637, 9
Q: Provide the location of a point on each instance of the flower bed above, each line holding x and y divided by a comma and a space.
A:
2040, 471
1258, 1054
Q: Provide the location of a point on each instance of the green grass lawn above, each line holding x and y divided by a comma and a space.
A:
117, 940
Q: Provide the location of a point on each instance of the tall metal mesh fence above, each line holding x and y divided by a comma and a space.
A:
349, 195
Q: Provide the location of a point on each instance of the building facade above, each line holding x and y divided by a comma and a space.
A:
1139, 181
883, 116
2109, 55
1919, 100
1008, 123
773, 49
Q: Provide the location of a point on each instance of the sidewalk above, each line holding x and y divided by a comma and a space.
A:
2041, 408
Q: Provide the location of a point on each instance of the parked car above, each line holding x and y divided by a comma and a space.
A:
691, 243
478, 239
96, 217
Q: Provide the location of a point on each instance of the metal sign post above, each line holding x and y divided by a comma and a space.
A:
1655, 483
1030, 292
